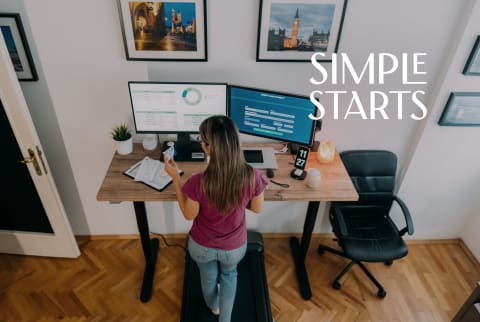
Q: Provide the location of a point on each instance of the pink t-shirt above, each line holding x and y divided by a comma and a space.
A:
212, 229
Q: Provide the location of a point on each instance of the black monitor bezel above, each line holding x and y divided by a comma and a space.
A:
181, 83
314, 112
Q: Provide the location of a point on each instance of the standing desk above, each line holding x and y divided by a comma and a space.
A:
335, 186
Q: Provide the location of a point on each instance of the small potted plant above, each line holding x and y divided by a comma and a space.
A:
122, 136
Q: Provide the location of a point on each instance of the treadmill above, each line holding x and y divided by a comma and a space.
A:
252, 302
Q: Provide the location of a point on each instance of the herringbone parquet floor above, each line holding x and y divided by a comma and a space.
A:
430, 284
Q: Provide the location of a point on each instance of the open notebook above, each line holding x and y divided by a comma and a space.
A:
150, 172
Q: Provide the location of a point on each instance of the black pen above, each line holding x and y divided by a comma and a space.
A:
283, 185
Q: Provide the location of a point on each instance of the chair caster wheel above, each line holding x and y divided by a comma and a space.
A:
381, 294
336, 285
388, 263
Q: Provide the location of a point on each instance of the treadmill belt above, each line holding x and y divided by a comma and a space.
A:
252, 301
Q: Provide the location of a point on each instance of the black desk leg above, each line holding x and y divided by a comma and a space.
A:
150, 250
299, 250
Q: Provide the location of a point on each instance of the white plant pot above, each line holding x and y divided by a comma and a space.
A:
124, 147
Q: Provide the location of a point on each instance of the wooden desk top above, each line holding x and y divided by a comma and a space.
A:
335, 184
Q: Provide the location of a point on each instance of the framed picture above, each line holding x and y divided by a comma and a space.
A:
17, 46
290, 30
157, 30
473, 63
462, 109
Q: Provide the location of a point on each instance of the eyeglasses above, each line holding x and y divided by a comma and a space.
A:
202, 141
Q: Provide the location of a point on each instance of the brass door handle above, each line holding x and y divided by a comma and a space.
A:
32, 159
26, 160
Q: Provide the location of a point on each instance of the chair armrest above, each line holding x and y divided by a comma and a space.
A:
341, 223
408, 219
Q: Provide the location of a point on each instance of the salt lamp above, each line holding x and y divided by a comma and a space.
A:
326, 151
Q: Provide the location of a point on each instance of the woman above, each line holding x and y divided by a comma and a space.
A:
216, 200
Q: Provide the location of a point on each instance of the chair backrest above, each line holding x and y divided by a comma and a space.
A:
373, 174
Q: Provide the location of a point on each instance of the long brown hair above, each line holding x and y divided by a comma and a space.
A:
227, 172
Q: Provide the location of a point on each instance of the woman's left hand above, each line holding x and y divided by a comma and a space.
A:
171, 168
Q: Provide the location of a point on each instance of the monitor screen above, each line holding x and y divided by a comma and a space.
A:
273, 115
160, 107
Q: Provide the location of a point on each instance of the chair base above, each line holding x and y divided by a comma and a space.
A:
336, 283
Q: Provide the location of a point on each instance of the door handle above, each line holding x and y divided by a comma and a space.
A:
32, 159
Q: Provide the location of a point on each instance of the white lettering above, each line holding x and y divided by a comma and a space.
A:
358, 103
316, 102
368, 64
419, 103
320, 68
381, 66
335, 102
381, 108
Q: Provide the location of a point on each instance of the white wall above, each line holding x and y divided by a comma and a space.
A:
81, 51
44, 117
86, 71
442, 181
470, 233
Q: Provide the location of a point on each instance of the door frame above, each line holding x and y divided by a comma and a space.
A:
62, 242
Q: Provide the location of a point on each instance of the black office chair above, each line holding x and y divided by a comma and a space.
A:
364, 229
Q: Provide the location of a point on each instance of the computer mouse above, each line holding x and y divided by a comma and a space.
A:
270, 173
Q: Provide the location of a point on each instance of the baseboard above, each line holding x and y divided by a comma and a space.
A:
469, 253
277, 236
126, 236
323, 236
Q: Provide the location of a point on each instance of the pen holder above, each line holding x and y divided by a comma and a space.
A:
149, 142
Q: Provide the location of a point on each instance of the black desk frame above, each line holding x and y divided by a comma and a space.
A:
151, 246
300, 249
150, 250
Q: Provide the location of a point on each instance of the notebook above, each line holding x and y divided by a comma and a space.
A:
150, 172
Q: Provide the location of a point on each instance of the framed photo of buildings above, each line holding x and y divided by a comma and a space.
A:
462, 109
472, 67
14, 35
157, 30
291, 30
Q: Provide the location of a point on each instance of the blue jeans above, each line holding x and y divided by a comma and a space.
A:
207, 260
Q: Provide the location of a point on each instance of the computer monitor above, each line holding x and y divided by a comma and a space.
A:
272, 115
176, 108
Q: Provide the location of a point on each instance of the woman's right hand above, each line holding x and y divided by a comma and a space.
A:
171, 168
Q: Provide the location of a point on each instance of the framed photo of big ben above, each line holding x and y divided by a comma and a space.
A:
291, 31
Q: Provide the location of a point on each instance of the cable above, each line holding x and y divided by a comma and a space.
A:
283, 185
167, 243
284, 149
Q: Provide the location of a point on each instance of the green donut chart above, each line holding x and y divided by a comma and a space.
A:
191, 96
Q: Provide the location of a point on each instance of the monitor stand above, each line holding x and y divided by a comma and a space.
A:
185, 149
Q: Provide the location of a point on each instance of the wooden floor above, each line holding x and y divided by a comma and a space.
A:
430, 284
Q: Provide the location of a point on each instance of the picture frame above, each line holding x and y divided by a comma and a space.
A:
462, 109
167, 31
13, 33
472, 67
291, 31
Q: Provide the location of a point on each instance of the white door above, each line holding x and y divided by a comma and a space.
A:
32, 217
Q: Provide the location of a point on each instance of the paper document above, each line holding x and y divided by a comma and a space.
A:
151, 172
150, 169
